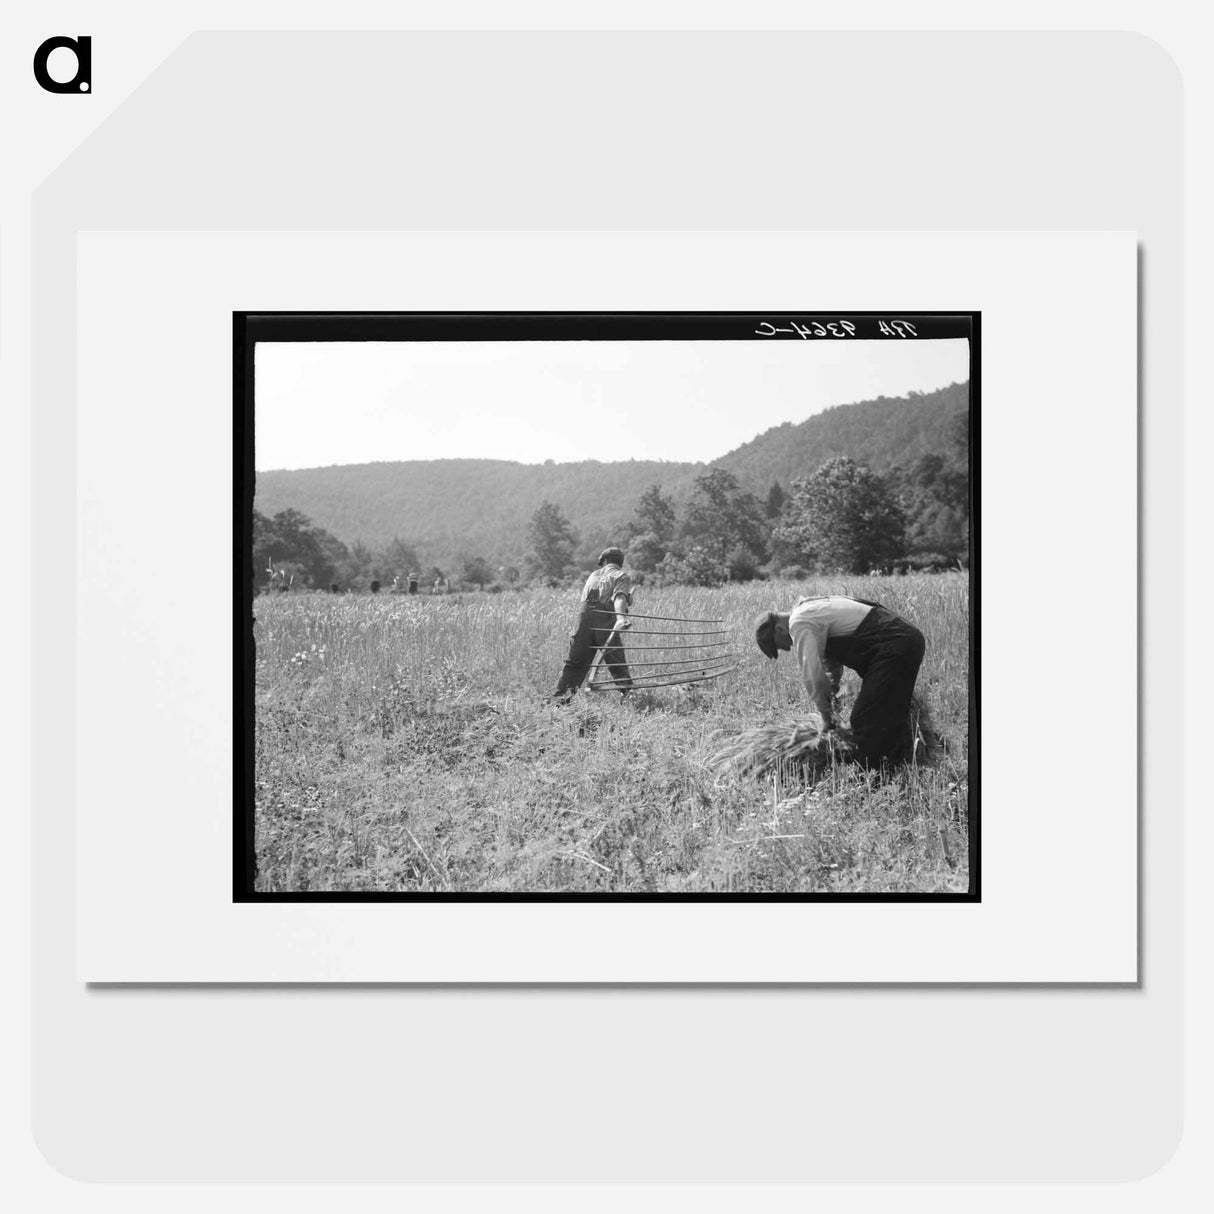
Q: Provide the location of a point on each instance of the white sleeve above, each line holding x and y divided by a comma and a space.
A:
809, 644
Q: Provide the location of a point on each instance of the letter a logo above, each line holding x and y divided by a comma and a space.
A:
82, 81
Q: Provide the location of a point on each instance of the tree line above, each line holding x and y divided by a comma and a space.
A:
843, 517
439, 506
291, 553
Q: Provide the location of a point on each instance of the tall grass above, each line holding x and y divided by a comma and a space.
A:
408, 743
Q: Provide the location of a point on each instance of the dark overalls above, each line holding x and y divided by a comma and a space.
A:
594, 628
886, 652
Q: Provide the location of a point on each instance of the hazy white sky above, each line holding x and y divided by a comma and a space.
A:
355, 402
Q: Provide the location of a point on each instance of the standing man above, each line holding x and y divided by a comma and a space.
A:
828, 633
606, 598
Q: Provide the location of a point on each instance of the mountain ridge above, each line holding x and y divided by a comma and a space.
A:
453, 507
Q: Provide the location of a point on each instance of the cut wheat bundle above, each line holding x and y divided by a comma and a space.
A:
797, 744
804, 746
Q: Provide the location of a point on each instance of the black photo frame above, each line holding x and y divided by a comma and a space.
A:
250, 328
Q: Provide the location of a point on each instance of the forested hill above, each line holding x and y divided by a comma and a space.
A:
448, 507
445, 508
880, 433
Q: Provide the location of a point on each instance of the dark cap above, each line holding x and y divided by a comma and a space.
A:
765, 633
613, 556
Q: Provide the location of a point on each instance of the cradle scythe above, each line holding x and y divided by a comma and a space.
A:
715, 662
597, 660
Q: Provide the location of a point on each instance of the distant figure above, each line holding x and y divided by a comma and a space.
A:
441, 586
830, 632
413, 583
374, 587
605, 600
334, 588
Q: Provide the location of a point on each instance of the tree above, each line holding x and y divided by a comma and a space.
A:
645, 552
292, 576
551, 539
355, 570
654, 515
266, 545
333, 553
941, 531
477, 570
289, 537
776, 497
722, 517
934, 492
399, 559
290, 524
959, 438
650, 536
698, 568
843, 518
743, 564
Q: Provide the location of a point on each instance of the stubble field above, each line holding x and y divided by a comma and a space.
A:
407, 744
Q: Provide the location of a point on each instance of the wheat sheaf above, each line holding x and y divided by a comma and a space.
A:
803, 744
767, 748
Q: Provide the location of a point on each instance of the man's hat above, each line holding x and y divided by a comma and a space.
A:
613, 556
765, 633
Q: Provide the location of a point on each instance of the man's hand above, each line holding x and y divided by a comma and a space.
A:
622, 623
834, 672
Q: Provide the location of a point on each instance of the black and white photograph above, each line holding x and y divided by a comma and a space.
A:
544, 540
606, 605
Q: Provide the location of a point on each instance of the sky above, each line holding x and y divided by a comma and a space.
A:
321, 403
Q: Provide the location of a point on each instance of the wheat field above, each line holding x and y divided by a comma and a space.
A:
406, 744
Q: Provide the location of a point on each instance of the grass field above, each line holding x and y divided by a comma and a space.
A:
404, 744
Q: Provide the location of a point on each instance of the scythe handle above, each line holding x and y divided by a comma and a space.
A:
612, 637
597, 661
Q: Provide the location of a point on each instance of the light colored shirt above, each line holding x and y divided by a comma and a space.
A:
610, 581
810, 624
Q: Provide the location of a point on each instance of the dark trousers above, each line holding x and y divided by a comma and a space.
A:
582, 648
886, 651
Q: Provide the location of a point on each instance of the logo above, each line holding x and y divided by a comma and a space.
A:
82, 81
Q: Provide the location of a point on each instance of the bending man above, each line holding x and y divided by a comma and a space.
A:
885, 650
606, 598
